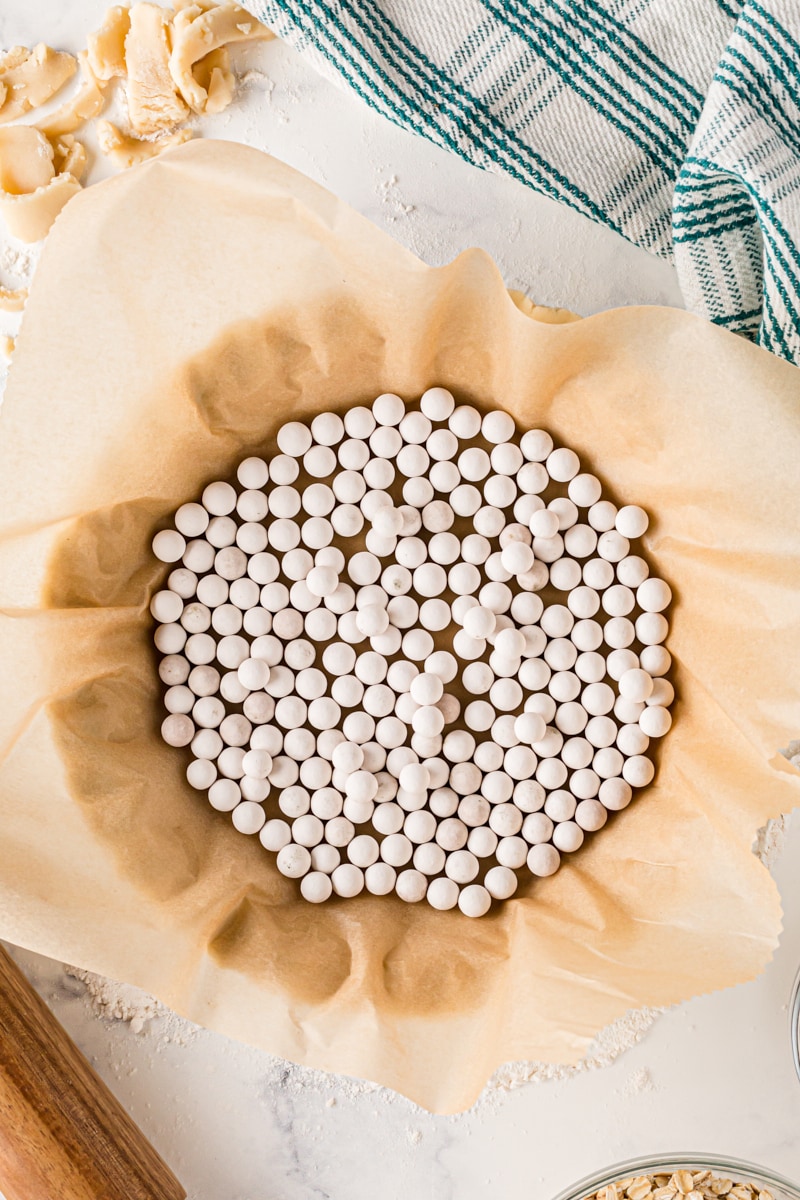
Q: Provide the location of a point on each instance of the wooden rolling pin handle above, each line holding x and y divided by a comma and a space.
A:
63, 1135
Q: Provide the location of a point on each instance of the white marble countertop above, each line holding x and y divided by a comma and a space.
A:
714, 1075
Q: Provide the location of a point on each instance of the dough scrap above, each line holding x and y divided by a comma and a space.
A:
31, 194
128, 151
13, 299
195, 33
26, 160
31, 77
13, 58
153, 102
214, 74
87, 102
7, 344
69, 155
106, 46
173, 59
30, 216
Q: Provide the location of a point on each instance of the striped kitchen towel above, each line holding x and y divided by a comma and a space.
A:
674, 122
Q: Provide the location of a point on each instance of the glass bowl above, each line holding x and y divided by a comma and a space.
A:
794, 1024
664, 1164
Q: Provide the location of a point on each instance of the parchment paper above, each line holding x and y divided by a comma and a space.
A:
180, 312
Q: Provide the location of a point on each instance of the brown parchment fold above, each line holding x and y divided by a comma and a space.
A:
180, 312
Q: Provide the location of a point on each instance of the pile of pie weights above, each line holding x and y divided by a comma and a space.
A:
401, 711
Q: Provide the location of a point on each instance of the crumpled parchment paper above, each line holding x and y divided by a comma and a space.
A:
183, 310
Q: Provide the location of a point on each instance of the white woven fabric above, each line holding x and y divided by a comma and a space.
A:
674, 122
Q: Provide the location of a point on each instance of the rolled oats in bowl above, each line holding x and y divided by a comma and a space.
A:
683, 1177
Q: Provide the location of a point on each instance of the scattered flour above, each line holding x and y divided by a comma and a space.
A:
17, 264
18, 261
606, 1048
771, 838
256, 79
638, 1081
121, 1002
387, 192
